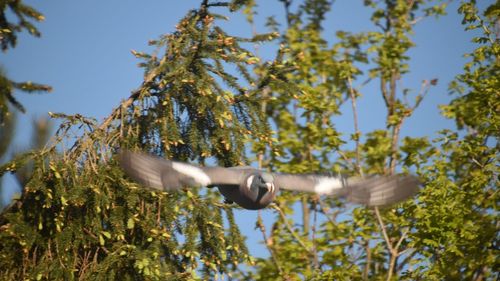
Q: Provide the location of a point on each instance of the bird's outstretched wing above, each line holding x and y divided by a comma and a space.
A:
164, 174
371, 191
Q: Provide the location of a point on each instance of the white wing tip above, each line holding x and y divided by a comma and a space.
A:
196, 173
326, 185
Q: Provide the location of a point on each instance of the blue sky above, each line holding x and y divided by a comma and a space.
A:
84, 54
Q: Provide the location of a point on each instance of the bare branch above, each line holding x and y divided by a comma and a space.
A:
305, 215
406, 258
368, 260
349, 161
313, 238
394, 147
384, 231
403, 236
268, 243
392, 92
393, 250
331, 217
356, 126
385, 94
290, 229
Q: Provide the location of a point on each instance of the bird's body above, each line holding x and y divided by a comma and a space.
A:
255, 189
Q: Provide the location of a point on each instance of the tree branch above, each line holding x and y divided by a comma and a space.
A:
384, 231
268, 243
356, 126
366, 270
313, 238
403, 236
290, 229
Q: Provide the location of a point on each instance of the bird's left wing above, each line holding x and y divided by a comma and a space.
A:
310, 183
165, 174
371, 191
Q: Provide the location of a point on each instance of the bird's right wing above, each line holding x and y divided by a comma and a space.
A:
165, 174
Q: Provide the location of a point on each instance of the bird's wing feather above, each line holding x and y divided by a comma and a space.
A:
164, 174
381, 190
143, 168
226, 176
309, 183
371, 191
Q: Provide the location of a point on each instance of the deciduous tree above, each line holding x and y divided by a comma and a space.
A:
208, 98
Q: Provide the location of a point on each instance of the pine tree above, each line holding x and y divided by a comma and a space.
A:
8, 39
79, 218
7, 132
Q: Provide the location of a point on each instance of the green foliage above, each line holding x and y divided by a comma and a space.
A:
8, 38
7, 132
81, 218
24, 14
434, 238
7, 99
462, 194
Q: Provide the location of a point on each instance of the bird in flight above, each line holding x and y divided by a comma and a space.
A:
254, 189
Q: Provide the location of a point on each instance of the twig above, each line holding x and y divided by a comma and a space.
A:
158, 215
393, 250
218, 4
394, 146
289, 227
356, 126
313, 238
305, 215
384, 231
268, 243
366, 271
403, 236
331, 217
385, 95
406, 259
286, 4
349, 161
388, 243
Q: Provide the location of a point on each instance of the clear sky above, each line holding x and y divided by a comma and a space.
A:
84, 54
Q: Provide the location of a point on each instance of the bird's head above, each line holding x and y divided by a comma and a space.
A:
259, 188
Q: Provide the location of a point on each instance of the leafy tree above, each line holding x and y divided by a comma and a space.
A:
80, 218
461, 198
434, 238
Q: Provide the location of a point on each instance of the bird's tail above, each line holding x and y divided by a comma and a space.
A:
381, 190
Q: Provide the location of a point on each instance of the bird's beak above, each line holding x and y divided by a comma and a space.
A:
270, 187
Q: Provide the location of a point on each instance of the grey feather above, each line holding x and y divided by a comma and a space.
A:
370, 191
381, 190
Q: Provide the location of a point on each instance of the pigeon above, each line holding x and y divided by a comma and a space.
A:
255, 189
